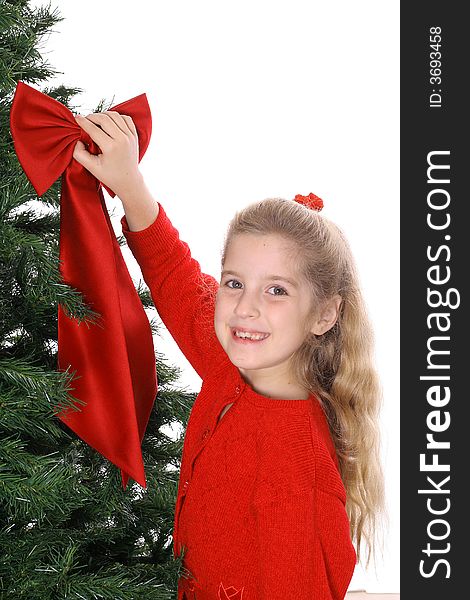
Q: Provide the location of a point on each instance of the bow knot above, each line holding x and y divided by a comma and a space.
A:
86, 139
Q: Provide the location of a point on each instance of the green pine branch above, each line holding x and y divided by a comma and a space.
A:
68, 530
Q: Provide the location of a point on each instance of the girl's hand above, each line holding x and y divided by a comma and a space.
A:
116, 135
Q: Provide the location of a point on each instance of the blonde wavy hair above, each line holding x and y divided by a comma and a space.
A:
338, 365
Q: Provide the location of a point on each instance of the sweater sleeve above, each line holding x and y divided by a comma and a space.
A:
304, 547
183, 296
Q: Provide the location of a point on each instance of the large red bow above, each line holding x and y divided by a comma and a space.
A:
114, 358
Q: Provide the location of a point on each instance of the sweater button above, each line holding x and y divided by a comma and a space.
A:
185, 486
238, 389
206, 433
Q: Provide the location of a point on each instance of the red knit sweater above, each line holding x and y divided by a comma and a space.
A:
260, 509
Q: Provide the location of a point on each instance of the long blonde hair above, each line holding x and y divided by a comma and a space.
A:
338, 365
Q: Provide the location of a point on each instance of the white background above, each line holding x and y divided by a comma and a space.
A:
252, 99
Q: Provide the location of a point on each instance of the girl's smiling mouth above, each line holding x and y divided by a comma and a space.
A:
243, 335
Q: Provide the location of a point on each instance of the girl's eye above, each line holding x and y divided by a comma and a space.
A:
234, 282
278, 291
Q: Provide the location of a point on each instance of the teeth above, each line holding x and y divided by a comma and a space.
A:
251, 336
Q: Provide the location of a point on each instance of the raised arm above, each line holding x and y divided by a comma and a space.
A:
182, 294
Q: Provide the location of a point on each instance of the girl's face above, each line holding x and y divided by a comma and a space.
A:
263, 309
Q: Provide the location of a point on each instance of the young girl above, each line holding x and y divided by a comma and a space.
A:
280, 470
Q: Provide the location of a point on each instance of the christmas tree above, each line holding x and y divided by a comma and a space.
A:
67, 527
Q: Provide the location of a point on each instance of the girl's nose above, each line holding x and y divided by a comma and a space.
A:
246, 306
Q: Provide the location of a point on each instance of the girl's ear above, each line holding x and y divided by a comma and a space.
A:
328, 316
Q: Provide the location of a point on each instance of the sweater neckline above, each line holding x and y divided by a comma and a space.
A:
245, 390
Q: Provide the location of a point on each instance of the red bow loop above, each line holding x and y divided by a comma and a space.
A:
45, 133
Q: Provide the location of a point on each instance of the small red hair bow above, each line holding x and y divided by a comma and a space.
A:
114, 358
311, 201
